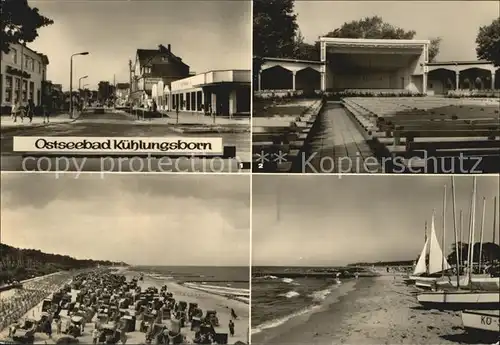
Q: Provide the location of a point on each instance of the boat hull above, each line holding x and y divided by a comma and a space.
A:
459, 300
485, 323
484, 283
425, 282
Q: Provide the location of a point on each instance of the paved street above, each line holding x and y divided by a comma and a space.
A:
124, 125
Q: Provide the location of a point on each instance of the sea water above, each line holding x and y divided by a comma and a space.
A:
278, 300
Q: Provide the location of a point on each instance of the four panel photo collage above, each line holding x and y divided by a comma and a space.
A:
271, 172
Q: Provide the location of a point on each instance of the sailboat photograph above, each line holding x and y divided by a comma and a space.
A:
375, 259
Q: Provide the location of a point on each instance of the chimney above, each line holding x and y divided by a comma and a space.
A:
168, 48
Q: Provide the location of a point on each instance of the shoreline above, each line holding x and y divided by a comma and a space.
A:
380, 310
206, 300
277, 331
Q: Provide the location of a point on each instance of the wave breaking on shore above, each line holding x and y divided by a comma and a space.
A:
274, 303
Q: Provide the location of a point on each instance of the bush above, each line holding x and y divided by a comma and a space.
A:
473, 94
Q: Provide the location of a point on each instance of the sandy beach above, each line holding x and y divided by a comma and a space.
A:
381, 310
205, 300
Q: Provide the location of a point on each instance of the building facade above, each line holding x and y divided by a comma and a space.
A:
223, 92
376, 64
153, 66
23, 72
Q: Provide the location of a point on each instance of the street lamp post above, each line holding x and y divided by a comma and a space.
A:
71, 82
80, 81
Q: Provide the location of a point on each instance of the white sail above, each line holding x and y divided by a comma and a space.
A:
421, 266
437, 262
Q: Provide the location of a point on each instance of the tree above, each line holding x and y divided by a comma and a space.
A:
370, 27
19, 23
434, 48
490, 252
274, 28
105, 91
488, 43
19, 264
305, 51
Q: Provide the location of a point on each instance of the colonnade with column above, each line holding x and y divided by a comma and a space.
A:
492, 80
296, 72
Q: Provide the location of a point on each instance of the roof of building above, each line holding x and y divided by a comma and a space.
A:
389, 41
292, 60
471, 62
146, 55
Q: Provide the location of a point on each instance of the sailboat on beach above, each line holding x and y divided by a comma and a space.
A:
460, 299
423, 274
475, 281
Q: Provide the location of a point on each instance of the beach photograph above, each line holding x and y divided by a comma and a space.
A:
128, 258
331, 265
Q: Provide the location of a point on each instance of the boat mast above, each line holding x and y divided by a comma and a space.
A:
425, 241
471, 232
482, 232
461, 236
455, 230
494, 226
444, 233
494, 219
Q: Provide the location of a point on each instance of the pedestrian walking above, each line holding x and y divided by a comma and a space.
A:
18, 110
30, 110
45, 113
231, 328
13, 110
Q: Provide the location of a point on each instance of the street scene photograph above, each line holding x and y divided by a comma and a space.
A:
176, 72
364, 87
135, 259
418, 265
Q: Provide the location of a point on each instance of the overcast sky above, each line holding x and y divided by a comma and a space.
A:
207, 35
148, 220
457, 22
324, 220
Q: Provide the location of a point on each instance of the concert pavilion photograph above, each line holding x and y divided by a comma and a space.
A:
366, 89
